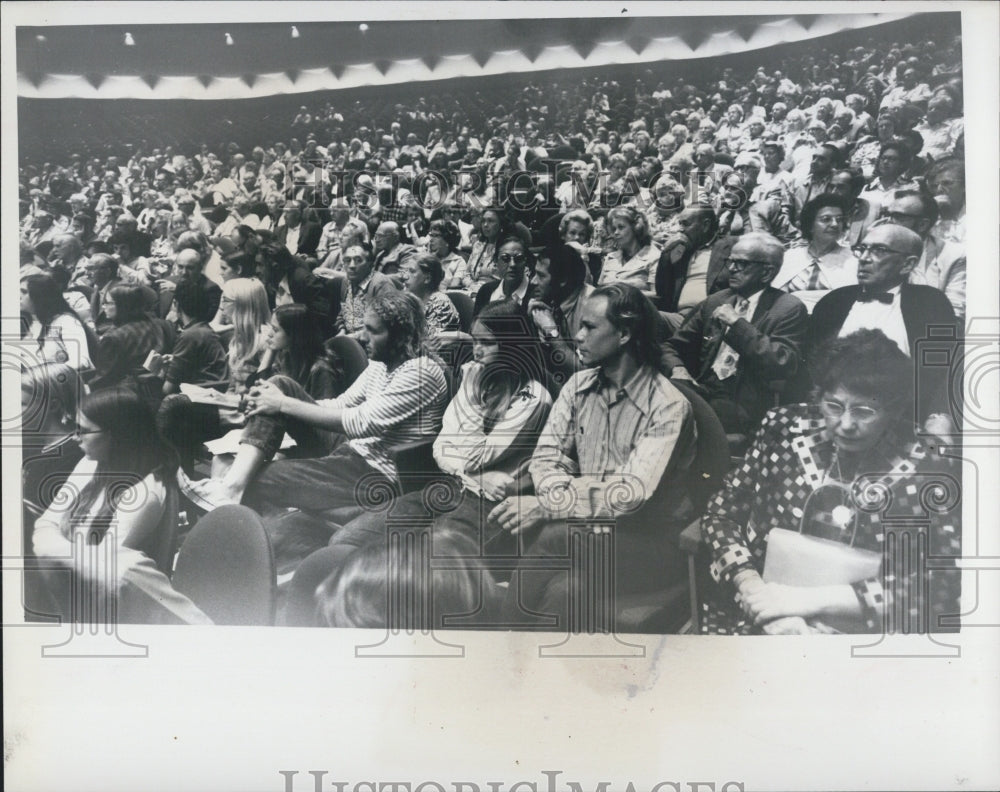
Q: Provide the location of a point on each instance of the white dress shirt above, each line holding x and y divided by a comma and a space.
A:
875, 315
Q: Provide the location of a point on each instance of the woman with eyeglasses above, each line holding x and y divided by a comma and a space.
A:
97, 535
798, 532
823, 264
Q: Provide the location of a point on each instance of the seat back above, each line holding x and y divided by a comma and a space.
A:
351, 352
226, 567
711, 462
465, 306
163, 542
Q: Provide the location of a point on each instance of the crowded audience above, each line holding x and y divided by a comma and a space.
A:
527, 300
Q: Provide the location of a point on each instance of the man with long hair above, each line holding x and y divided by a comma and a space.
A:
617, 430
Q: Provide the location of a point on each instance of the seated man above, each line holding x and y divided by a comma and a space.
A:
198, 356
885, 300
742, 339
559, 292
400, 397
616, 430
390, 253
942, 263
360, 288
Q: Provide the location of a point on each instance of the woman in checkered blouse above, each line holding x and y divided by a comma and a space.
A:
845, 466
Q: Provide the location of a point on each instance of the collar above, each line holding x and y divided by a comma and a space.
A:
361, 287
638, 389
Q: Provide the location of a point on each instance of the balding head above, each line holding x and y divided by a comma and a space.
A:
187, 265
886, 256
386, 236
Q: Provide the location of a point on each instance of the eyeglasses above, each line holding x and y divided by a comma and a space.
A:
436, 234
512, 258
879, 251
738, 265
859, 414
901, 217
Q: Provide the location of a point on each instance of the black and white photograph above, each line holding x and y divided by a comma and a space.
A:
501, 396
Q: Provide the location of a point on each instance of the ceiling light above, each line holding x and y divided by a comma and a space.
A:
363, 27
229, 40
295, 32
129, 41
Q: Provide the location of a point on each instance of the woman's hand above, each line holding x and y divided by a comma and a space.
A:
788, 625
771, 601
265, 398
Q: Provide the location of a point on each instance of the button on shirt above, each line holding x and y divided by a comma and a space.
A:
875, 315
604, 450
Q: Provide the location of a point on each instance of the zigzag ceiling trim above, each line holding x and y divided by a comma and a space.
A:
32, 85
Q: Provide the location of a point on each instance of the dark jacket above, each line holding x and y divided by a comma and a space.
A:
931, 329
770, 347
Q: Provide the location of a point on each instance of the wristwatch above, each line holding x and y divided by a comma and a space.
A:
552, 333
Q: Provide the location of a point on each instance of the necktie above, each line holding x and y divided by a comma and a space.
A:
815, 276
882, 297
727, 358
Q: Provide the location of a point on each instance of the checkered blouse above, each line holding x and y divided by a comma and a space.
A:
903, 494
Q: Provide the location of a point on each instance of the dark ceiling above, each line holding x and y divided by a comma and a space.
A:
269, 47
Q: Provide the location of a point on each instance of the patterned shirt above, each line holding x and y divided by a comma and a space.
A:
383, 408
789, 460
440, 314
352, 312
604, 450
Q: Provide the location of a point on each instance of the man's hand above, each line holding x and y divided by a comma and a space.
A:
265, 398
494, 484
726, 314
519, 514
542, 316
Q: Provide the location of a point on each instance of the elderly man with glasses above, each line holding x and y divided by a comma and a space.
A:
742, 341
914, 316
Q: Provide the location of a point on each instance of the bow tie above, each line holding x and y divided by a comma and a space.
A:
882, 297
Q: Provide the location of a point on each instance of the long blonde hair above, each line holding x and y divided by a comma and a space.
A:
250, 313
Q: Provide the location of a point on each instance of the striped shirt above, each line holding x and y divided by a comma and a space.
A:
610, 447
382, 408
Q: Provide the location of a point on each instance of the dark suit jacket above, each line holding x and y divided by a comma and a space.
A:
309, 234
770, 347
923, 308
486, 292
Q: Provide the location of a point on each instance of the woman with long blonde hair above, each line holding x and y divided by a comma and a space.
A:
187, 424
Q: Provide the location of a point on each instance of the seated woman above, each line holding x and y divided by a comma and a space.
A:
811, 271
443, 240
114, 499
185, 424
636, 258
830, 471
421, 277
56, 332
124, 348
